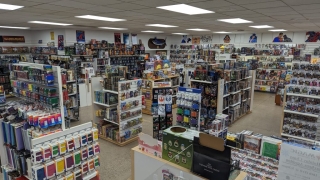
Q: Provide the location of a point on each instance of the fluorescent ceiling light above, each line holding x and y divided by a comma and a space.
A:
113, 28
262, 26
222, 32
276, 30
148, 31
181, 33
100, 18
50, 23
197, 29
185, 9
161, 25
12, 27
9, 6
235, 21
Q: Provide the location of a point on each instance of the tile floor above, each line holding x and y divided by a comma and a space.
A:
116, 161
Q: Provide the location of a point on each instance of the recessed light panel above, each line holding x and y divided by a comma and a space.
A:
262, 26
49, 23
197, 29
276, 30
9, 6
222, 32
12, 27
148, 31
185, 9
235, 21
100, 18
161, 25
113, 28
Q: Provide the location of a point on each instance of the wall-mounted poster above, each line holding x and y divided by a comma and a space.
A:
206, 39
312, 36
185, 39
195, 40
80, 36
155, 43
134, 39
282, 37
117, 38
60, 42
226, 39
253, 38
126, 40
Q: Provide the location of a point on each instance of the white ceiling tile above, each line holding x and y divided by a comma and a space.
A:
103, 9
53, 7
20, 2
72, 4
154, 3
299, 2
127, 6
240, 2
99, 2
306, 7
265, 5
36, 10
214, 4
275, 9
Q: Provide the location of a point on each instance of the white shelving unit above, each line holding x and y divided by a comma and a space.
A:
120, 124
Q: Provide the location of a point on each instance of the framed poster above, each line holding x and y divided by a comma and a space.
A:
60, 42
126, 40
80, 35
117, 38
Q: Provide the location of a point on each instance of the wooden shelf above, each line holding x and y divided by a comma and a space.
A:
128, 141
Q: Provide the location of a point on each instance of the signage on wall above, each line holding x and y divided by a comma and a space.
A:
297, 163
185, 39
52, 35
12, 39
312, 36
60, 42
134, 39
126, 40
155, 43
117, 38
253, 38
282, 37
80, 35
195, 40
206, 39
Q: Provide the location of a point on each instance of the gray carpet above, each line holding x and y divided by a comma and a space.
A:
116, 161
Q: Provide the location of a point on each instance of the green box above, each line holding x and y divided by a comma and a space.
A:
177, 145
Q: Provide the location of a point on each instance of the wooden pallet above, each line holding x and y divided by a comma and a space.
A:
118, 143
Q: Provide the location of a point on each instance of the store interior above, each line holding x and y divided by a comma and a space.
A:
159, 90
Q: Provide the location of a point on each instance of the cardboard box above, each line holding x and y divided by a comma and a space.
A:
178, 139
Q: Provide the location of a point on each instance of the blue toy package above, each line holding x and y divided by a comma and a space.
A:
166, 63
50, 80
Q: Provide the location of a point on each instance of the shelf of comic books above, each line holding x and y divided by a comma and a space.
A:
117, 111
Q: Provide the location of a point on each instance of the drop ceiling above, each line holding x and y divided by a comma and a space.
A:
292, 15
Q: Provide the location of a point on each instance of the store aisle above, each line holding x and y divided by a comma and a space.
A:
116, 161
265, 117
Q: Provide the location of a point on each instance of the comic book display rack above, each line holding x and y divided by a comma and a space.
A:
118, 112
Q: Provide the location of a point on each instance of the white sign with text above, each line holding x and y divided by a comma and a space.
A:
298, 163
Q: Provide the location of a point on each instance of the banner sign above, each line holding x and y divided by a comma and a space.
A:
12, 39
